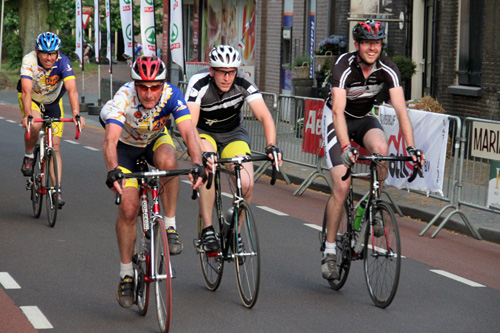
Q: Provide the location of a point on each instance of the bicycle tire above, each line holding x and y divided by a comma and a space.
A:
247, 262
36, 196
51, 185
163, 276
142, 269
212, 265
382, 258
343, 248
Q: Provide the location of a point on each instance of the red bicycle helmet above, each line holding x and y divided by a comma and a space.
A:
149, 69
369, 29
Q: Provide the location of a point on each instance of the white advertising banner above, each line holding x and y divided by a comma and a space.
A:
176, 47
126, 18
108, 34
430, 131
79, 30
148, 34
97, 29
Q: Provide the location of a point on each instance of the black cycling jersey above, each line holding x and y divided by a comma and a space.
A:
220, 113
361, 91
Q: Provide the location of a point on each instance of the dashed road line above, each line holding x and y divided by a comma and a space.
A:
457, 278
273, 211
8, 282
314, 226
91, 148
36, 317
72, 142
12, 121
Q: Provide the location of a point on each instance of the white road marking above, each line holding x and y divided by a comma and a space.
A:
8, 282
457, 278
72, 142
91, 148
274, 211
11, 121
227, 194
36, 317
314, 226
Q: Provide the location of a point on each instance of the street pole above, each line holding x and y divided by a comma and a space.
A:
1, 33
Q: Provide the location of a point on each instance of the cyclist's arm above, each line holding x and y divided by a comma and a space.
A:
339, 99
194, 109
261, 112
399, 103
26, 86
113, 132
192, 139
70, 85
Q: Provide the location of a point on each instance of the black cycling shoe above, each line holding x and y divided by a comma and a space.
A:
27, 166
125, 292
209, 240
174, 243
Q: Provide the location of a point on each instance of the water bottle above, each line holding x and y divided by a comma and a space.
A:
359, 214
229, 215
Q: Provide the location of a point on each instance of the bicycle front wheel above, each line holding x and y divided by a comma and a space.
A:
382, 257
51, 176
246, 253
142, 267
36, 196
162, 275
211, 263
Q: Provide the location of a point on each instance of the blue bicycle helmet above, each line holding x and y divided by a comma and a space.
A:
47, 42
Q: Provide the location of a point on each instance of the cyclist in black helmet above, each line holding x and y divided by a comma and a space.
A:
357, 78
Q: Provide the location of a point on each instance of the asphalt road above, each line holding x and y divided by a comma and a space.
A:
70, 272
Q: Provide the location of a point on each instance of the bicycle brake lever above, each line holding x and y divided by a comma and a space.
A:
195, 195
347, 174
118, 199
28, 128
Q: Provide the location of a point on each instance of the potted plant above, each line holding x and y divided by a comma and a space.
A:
329, 50
302, 66
407, 68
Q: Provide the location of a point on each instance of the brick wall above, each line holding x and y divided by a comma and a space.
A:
487, 106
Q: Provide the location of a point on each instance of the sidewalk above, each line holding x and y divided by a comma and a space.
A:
411, 204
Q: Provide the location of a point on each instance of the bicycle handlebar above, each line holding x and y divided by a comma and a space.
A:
244, 159
50, 120
376, 158
158, 173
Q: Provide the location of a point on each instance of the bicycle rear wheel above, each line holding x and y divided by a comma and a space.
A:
36, 196
343, 248
51, 176
142, 267
382, 257
247, 255
211, 263
162, 275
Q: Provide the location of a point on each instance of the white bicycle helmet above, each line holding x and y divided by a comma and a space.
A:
224, 56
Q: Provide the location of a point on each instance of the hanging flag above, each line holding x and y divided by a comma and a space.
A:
176, 47
108, 28
79, 30
126, 18
97, 30
148, 33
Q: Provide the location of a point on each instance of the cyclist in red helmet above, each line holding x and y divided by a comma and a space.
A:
357, 78
135, 122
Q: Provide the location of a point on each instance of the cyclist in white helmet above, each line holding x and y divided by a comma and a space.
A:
215, 97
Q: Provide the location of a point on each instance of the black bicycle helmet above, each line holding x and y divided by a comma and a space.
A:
369, 29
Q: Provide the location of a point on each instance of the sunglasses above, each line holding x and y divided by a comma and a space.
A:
144, 87
224, 73
49, 54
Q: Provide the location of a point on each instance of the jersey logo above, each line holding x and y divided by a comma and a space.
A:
210, 122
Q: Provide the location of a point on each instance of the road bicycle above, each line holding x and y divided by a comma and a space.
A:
237, 235
151, 259
381, 254
45, 178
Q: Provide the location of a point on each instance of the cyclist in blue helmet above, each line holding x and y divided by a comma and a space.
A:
46, 74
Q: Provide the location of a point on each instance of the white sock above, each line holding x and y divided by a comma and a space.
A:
329, 248
126, 269
30, 155
169, 222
